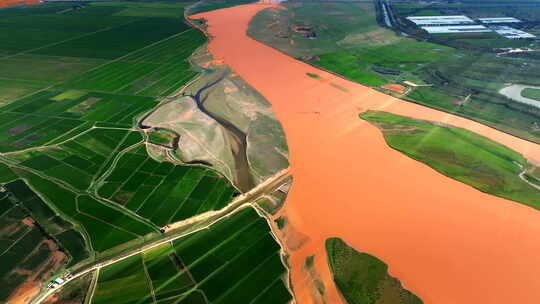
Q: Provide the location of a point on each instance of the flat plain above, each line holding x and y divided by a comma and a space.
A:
234, 261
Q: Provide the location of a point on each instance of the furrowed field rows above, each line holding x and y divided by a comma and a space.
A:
120, 40
79, 161
26, 248
163, 192
151, 71
235, 261
69, 169
123, 282
62, 231
105, 226
47, 115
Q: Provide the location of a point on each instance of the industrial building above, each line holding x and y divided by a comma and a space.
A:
511, 33
499, 20
456, 29
440, 20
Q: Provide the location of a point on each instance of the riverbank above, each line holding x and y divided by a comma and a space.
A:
445, 241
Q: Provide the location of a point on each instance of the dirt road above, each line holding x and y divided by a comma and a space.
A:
268, 186
514, 92
446, 241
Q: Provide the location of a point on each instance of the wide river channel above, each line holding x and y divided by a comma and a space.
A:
446, 241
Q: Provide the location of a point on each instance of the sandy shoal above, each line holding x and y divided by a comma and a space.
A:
446, 241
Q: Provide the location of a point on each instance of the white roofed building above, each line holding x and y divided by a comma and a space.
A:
499, 20
511, 33
456, 29
440, 20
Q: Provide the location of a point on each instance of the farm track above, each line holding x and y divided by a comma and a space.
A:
242, 201
91, 191
65, 40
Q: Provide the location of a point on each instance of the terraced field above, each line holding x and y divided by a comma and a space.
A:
235, 261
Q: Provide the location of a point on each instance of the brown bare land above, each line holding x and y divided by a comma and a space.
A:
445, 241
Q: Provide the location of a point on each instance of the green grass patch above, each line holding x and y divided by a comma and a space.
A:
460, 154
11, 89
162, 137
210, 5
382, 64
363, 278
69, 94
44, 69
123, 282
531, 93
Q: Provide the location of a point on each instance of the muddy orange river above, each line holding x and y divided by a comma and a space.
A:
446, 241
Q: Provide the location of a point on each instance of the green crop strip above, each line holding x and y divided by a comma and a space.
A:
460, 154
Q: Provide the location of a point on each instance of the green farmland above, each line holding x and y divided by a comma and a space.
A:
75, 77
349, 40
34, 241
362, 278
235, 261
132, 50
531, 93
63, 232
70, 98
162, 192
460, 154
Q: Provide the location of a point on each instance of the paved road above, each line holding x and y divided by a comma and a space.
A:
514, 92
268, 186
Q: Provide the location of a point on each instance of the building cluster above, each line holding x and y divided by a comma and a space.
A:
464, 24
59, 281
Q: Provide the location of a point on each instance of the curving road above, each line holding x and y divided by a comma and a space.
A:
514, 92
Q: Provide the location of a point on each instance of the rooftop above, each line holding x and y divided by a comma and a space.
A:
499, 20
440, 20
456, 29
510, 32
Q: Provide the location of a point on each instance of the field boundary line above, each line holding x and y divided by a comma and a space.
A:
26, 80
283, 252
130, 53
93, 191
92, 288
242, 280
107, 158
100, 200
239, 203
24, 96
48, 145
16, 241
66, 40
148, 280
